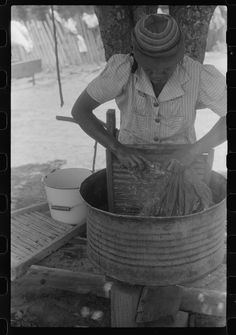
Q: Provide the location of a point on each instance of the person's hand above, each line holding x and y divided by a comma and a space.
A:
131, 158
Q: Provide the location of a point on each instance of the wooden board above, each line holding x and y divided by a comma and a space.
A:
26, 69
72, 281
35, 235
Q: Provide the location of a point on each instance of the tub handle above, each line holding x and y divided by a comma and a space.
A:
61, 208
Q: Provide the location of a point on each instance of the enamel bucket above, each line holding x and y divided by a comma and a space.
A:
62, 188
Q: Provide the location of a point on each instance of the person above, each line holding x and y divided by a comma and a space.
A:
157, 89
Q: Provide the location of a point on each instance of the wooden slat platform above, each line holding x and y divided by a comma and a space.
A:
35, 235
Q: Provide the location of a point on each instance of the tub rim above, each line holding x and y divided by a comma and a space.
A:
157, 218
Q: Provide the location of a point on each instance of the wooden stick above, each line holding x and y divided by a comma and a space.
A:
94, 156
71, 119
65, 118
57, 60
111, 127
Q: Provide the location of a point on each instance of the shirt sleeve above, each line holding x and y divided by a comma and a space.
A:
111, 81
212, 90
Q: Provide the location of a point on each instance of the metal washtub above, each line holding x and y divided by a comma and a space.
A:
154, 251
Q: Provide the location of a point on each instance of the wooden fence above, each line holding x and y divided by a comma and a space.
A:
41, 33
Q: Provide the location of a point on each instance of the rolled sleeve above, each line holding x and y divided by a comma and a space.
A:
112, 80
212, 90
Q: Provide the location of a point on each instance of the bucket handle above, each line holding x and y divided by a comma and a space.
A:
61, 208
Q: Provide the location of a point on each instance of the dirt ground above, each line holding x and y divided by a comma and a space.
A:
57, 308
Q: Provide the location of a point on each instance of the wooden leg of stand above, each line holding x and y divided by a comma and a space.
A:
124, 302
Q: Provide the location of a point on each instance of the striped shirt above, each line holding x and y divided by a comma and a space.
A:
168, 118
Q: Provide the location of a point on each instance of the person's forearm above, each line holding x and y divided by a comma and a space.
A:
93, 127
216, 136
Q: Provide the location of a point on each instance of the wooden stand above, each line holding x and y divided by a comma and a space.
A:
126, 312
124, 303
124, 306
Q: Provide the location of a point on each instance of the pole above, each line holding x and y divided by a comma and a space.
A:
94, 156
57, 59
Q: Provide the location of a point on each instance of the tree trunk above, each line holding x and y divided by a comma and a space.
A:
194, 22
139, 11
116, 24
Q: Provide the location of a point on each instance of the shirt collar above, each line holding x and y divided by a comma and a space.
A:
171, 90
142, 82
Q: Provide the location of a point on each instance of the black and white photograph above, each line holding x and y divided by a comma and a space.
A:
118, 166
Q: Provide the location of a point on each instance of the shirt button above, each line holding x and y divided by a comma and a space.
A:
156, 104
